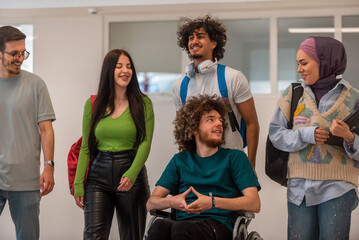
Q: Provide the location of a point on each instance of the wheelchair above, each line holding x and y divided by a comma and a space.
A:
240, 231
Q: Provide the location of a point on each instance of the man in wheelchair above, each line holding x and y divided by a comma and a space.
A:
206, 182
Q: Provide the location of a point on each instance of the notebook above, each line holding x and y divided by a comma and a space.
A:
353, 122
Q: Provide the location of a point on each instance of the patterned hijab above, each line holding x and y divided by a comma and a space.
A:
332, 59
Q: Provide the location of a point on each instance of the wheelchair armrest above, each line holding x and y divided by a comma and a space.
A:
155, 215
160, 213
242, 213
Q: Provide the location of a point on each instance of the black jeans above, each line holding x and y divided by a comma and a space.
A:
165, 229
102, 197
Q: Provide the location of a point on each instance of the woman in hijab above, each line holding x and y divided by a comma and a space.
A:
322, 178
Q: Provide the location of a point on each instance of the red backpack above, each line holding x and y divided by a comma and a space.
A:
73, 157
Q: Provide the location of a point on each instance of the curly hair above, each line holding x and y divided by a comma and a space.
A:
188, 118
214, 28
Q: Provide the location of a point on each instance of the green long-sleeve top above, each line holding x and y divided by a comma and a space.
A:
114, 135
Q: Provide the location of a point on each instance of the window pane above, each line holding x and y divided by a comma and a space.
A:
247, 50
288, 43
153, 47
351, 41
28, 30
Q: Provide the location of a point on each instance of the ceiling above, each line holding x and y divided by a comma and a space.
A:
20, 4
22, 9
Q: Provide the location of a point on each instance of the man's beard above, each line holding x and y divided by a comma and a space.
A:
8, 66
196, 56
210, 142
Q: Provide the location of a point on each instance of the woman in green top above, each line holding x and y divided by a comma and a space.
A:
118, 132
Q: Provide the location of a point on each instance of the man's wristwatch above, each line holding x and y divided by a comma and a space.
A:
51, 163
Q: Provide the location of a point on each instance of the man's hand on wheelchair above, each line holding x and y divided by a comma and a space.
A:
203, 203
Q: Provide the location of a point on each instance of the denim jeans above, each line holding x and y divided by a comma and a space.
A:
328, 220
24, 209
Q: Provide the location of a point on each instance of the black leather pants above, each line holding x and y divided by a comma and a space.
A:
102, 197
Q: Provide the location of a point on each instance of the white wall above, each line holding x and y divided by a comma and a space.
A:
68, 56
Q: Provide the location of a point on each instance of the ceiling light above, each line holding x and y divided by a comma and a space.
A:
322, 30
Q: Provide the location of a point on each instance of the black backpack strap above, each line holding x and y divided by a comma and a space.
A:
297, 93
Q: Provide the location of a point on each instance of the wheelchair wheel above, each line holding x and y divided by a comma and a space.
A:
242, 233
254, 236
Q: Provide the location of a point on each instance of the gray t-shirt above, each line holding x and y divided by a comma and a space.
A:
24, 102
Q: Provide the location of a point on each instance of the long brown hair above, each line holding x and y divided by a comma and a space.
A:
106, 96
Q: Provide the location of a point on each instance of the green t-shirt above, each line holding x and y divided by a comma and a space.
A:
114, 135
226, 174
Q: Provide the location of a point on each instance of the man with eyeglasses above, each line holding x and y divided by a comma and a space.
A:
26, 116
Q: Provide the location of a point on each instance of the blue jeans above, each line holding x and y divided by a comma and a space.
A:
24, 209
328, 220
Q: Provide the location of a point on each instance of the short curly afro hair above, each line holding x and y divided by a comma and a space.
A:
189, 116
214, 28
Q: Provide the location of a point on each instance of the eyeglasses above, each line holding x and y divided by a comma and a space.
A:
17, 55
